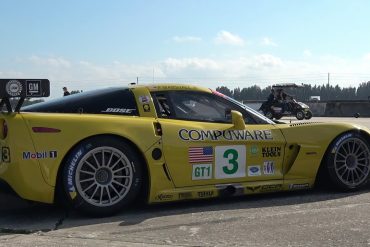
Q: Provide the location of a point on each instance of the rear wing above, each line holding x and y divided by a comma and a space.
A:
21, 89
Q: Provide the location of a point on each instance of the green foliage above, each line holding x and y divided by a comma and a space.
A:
326, 92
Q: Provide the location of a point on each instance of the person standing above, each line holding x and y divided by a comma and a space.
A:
66, 92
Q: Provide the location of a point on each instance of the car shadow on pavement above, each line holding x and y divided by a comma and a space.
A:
20, 216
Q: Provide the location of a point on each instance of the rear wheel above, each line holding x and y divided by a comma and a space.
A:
102, 175
300, 115
308, 114
348, 162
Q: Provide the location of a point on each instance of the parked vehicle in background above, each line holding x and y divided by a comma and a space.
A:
285, 104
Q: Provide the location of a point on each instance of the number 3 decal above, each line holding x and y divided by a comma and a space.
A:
230, 161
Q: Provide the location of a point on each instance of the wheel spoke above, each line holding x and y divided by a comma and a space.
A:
108, 192
87, 172
344, 156
121, 176
110, 159
89, 164
101, 194
111, 186
353, 177
85, 180
341, 167
102, 159
114, 165
91, 185
116, 182
96, 161
120, 169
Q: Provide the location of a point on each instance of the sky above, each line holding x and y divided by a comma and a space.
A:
91, 44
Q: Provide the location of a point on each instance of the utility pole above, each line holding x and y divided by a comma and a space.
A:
137, 80
328, 78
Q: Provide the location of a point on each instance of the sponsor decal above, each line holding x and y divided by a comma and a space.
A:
228, 135
119, 110
254, 150
230, 161
40, 155
271, 187
146, 107
14, 88
200, 154
202, 171
71, 169
5, 154
268, 168
203, 194
254, 171
271, 151
185, 195
164, 197
299, 186
33, 88
253, 188
144, 99
340, 141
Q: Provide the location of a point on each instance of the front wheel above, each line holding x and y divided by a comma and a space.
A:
102, 175
300, 115
348, 161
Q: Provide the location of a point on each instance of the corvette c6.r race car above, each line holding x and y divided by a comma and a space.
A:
100, 150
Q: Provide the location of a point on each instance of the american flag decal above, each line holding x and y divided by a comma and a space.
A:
200, 154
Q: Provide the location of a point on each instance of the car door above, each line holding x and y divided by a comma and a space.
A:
201, 146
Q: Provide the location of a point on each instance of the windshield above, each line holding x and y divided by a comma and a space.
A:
253, 112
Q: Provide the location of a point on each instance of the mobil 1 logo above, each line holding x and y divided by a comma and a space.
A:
33, 88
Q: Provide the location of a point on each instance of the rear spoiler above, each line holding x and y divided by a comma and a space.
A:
22, 89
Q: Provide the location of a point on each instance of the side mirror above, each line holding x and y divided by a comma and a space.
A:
237, 120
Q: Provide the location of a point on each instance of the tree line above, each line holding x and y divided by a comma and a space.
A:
326, 92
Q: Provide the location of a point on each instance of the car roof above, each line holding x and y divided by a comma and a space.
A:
173, 87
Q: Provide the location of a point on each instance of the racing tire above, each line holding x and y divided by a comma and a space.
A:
348, 161
269, 115
300, 115
308, 115
102, 175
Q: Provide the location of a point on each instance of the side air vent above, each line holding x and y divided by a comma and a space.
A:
304, 123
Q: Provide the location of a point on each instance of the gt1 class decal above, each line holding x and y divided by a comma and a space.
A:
40, 155
5, 154
33, 88
200, 154
144, 99
340, 141
119, 110
268, 168
228, 135
230, 161
254, 171
14, 88
271, 151
202, 171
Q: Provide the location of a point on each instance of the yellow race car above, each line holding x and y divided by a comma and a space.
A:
101, 150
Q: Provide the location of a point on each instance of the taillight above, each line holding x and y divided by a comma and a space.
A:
5, 130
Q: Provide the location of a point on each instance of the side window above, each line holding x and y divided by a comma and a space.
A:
198, 106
